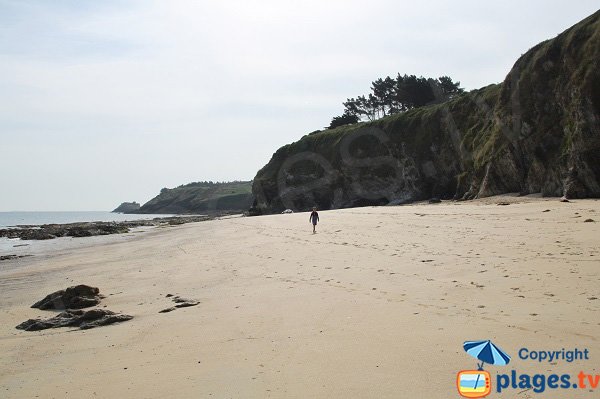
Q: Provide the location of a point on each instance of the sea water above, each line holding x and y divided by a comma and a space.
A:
40, 247
11, 219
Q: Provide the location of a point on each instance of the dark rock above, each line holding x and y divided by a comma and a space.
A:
180, 303
34, 234
75, 318
76, 297
503, 203
434, 201
588, 220
184, 302
179, 299
574, 187
254, 211
187, 304
10, 257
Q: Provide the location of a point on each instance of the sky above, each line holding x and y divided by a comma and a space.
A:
109, 101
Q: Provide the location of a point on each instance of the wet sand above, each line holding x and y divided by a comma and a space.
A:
377, 304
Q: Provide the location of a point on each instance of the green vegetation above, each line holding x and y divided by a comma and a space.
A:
201, 197
390, 96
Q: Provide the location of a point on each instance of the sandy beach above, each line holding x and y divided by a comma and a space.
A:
377, 304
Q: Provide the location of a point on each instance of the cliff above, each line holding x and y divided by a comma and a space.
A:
127, 207
201, 197
536, 132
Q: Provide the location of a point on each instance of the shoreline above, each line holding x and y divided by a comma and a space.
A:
89, 229
48, 231
15, 249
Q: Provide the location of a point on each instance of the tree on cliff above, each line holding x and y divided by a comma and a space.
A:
344, 119
389, 96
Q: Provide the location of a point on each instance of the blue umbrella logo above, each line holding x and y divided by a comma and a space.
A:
487, 352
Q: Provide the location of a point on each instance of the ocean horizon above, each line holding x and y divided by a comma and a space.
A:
12, 219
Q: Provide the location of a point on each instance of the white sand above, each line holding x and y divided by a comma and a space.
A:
376, 305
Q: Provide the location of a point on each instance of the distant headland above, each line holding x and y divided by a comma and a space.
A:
205, 197
127, 207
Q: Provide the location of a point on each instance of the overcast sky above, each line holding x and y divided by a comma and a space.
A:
109, 101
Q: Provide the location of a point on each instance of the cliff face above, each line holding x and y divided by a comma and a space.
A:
201, 198
536, 132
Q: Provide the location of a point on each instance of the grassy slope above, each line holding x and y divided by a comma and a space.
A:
201, 197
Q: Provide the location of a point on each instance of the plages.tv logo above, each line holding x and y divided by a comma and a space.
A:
478, 383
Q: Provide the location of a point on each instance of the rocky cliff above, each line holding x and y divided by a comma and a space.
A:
536, 132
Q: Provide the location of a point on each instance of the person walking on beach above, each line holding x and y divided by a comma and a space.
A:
314, 218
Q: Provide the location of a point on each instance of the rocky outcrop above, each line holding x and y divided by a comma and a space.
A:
88, 229
12, 256
179, 303
127, 207
76, 297
536, 132
50, 231
72, 300
75, 318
